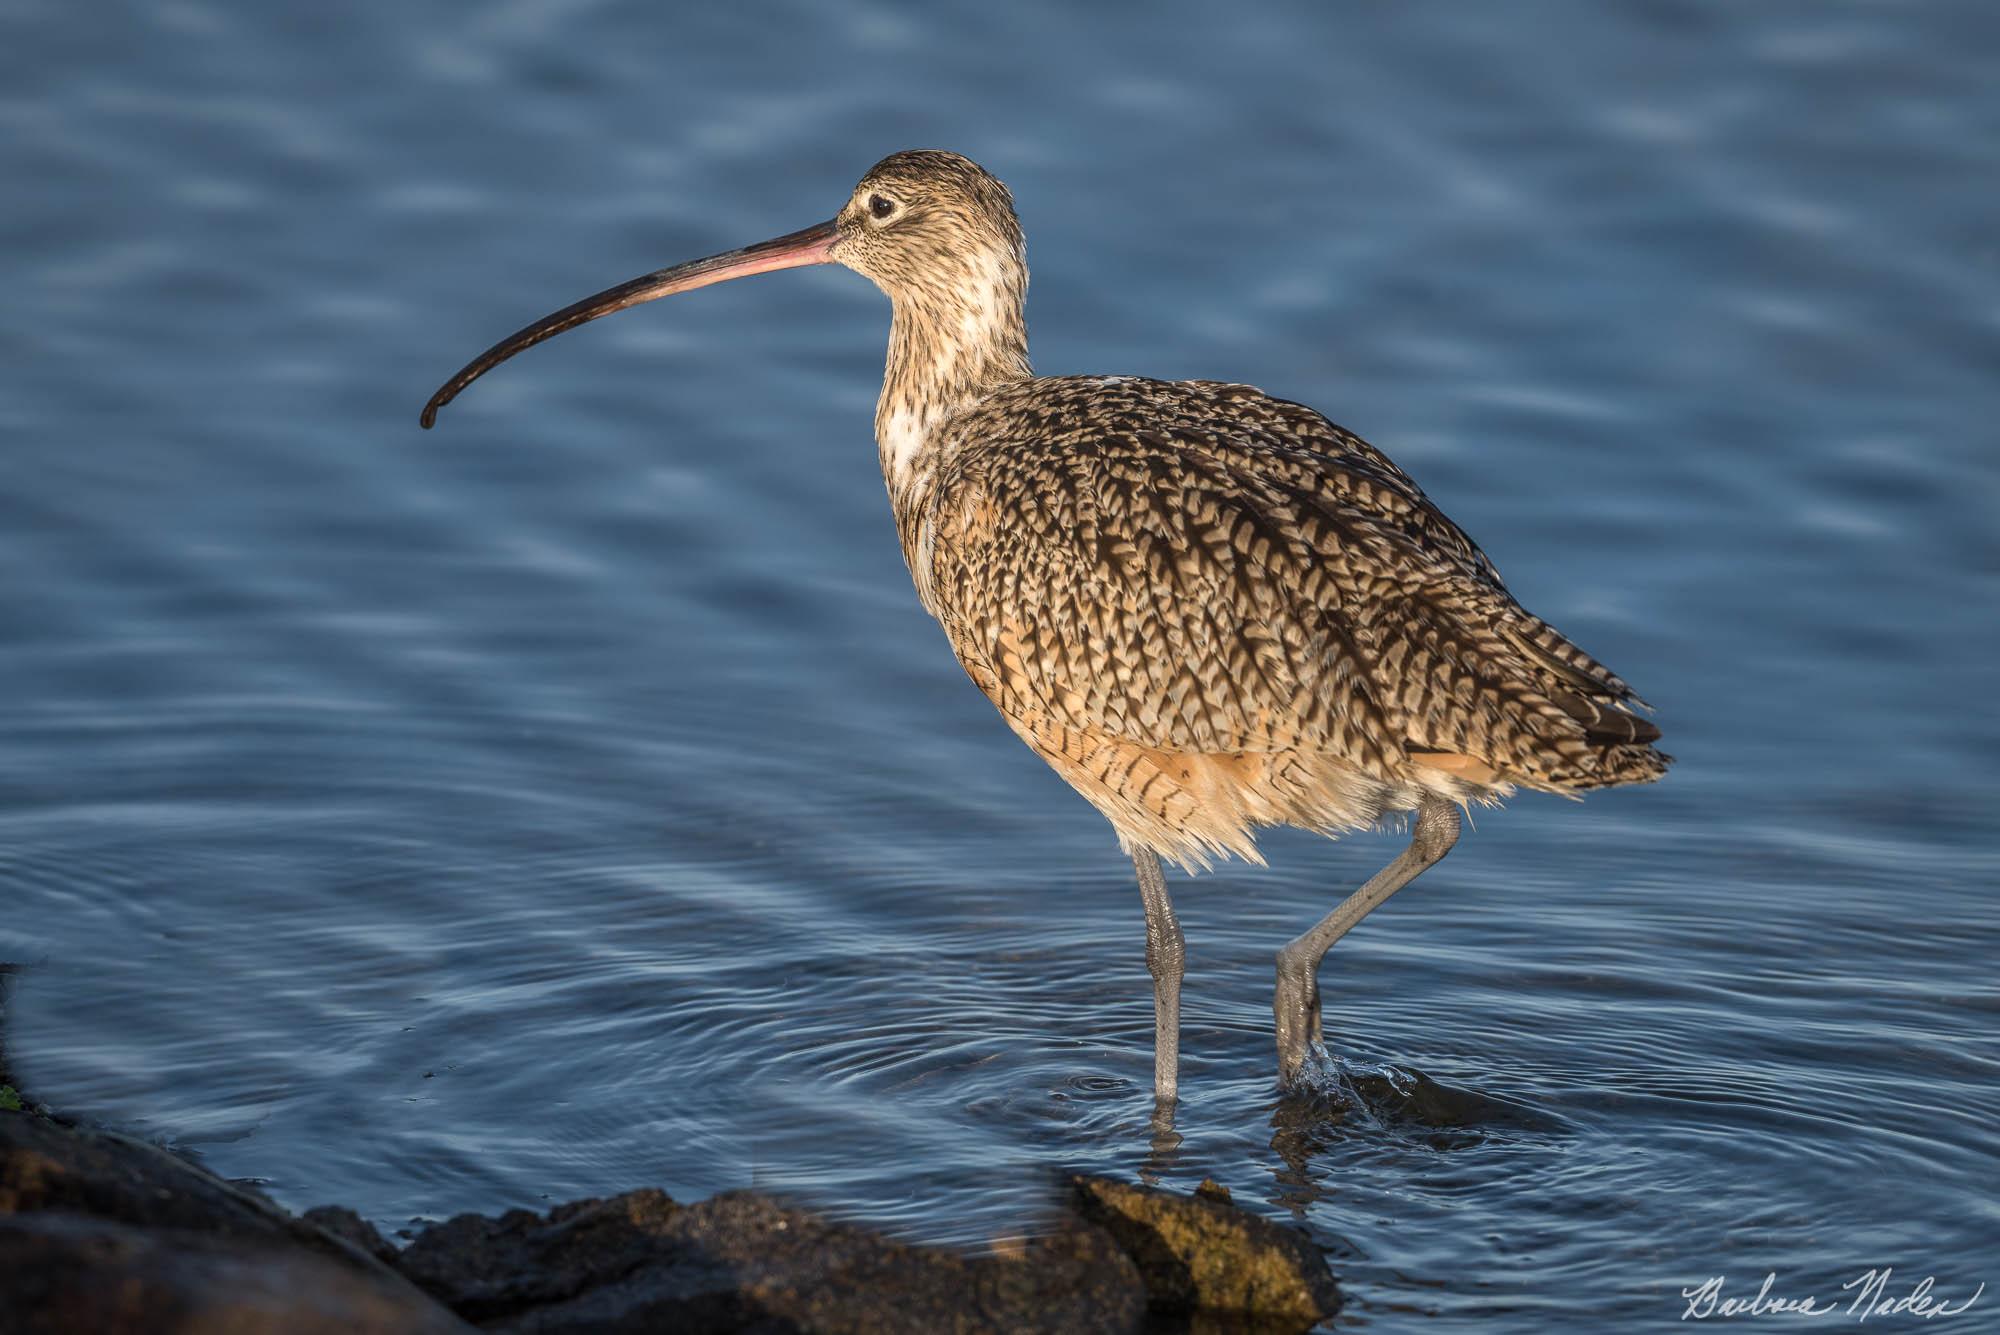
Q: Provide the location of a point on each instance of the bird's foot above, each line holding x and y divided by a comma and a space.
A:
1295, 1006
1316, 1071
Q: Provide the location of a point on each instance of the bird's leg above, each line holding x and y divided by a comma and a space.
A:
1297, 1000
1164, 955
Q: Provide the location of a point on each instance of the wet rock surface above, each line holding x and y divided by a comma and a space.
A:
64, 1273
48, 1166
105, 1233
100, 1232
744, 1262
1200, 1253
352, 1229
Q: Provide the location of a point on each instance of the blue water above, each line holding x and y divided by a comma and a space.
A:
575, 797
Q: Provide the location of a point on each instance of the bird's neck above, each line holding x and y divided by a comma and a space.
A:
948, 348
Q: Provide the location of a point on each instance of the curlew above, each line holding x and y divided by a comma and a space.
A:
1208, 609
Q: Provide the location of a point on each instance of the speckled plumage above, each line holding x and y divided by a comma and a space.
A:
1207, 608
1210, 610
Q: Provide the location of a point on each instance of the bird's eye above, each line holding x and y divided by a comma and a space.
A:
881, 206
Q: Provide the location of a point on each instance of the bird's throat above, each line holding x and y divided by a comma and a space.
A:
946, 352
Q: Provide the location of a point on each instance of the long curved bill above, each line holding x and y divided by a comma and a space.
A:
812, 246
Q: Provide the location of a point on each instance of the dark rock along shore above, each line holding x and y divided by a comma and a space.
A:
105, 1233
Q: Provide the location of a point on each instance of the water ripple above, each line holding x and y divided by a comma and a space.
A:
575, 797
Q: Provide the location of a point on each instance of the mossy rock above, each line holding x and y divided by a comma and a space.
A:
1201, 1253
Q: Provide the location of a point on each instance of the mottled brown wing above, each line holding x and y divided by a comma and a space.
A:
1118, 587
1363, 476
1342, 464
1168, 567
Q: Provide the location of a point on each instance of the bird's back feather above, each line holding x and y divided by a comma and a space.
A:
1192, 597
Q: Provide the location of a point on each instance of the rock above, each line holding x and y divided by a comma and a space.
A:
1200, 1253
340, 1222
101, 1232
741, 1262
485, 1268
62, 1273
45, 1165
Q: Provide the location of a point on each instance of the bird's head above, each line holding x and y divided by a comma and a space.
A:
926, 225
932, 229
